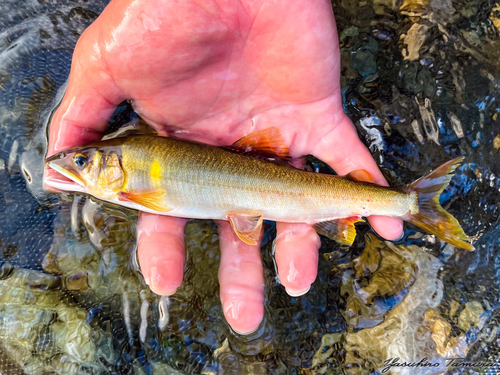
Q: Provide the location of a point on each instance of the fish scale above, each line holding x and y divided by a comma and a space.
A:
185, 179
212, 181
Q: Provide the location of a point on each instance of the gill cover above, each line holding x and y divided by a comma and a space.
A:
95, 170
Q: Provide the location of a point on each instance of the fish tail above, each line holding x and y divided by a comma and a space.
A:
429, 215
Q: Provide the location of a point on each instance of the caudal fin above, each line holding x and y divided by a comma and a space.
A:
430, 215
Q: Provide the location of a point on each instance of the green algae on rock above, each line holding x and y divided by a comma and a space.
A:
41, 328
410, 327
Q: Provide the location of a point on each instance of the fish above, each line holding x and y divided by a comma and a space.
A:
246, 183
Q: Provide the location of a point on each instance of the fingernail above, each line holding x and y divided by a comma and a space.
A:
297, 293
400, 237
239, 318
232, 309
157, 284
245, 333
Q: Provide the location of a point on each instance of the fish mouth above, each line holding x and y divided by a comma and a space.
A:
62, 179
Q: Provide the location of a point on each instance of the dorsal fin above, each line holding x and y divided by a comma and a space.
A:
135, 127
266, 143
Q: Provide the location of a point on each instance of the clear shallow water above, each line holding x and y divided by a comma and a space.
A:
420, 81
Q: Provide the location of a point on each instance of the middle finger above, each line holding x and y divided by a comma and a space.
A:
241, 281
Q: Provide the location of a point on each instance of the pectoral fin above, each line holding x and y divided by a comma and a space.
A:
154, 200
246, 226
340, 230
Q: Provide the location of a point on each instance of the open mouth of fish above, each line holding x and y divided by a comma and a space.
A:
62, 179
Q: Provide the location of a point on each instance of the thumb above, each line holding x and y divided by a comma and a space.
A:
89, 101
81, 118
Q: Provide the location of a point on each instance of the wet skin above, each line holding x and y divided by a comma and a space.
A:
213, 71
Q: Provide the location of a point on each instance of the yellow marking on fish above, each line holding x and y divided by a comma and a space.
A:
155, 173
207, 182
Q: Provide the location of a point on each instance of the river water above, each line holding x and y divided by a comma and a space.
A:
420, 80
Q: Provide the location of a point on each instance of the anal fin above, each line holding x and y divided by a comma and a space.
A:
248, 227
152, 200
340, 230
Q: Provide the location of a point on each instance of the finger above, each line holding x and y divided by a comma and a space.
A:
296, 256
81, 119
344, 152
241, 281
161, 251
89, 101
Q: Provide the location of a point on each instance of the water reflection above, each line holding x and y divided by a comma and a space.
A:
420, 78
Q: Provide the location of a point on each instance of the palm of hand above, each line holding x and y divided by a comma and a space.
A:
214, 72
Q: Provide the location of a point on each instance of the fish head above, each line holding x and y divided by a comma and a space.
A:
96, 171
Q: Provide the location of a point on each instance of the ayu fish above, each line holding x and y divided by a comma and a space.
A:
245, 184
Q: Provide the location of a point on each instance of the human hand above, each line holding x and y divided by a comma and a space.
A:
213, 71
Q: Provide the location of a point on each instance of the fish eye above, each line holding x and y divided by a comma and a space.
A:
80, 160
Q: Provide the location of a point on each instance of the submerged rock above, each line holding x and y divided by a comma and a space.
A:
420, 81
407, 329
42, 329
